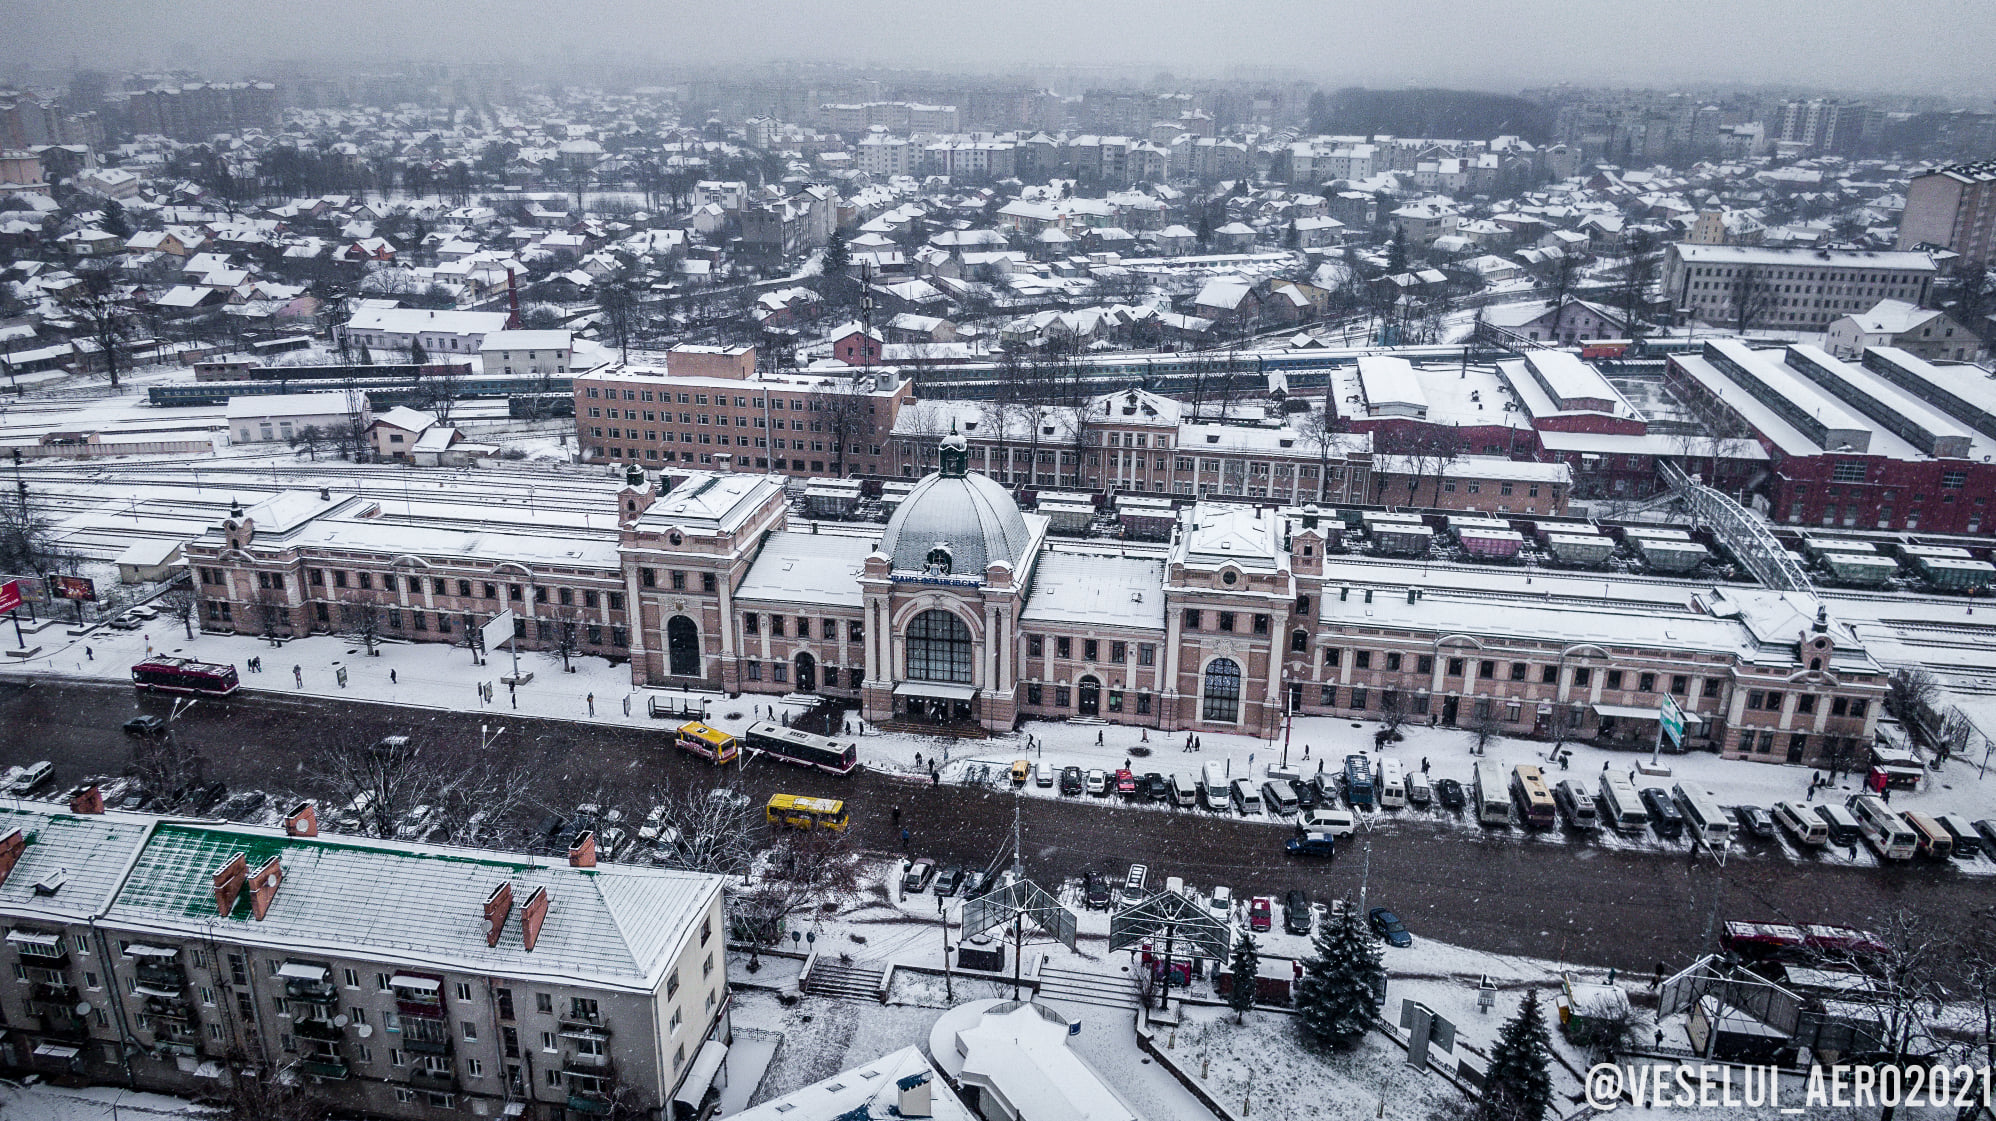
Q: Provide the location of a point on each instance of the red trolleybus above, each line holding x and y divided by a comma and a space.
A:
184, 675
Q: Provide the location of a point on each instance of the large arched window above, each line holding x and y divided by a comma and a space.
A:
1223, 691
939, 648
682, 646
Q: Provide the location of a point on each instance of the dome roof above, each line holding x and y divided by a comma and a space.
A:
969, 515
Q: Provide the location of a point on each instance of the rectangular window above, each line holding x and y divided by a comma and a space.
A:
1361, 659
1146, 654
1063, 646
1036, 646
1227, 621
1191, 619
1519, 670
1392, 661
1090, 649
1614, 679
1582, 677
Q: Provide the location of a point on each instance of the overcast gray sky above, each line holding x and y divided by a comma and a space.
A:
1932, 46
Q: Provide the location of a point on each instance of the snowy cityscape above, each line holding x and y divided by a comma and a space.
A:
612, 564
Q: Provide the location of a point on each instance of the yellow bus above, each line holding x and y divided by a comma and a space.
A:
800, 812
711, 744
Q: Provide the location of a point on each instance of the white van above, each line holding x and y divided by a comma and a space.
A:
1390, 787
1621, 807
1573, 800
1805, 828
1175, 885
1419, 793
1246, 799
1184, 792
1702, 815
1213, 786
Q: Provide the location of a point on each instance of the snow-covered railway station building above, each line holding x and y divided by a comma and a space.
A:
963, 613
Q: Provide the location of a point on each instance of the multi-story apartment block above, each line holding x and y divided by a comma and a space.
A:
796, 423
392, 979
1953, 207
1795, 289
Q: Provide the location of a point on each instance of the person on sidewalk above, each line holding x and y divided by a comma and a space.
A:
904, 840
391, 677
897, 815
592, 704
298, 676
89, 655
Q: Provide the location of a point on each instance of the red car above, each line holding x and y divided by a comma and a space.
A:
1126, 783
1261, 913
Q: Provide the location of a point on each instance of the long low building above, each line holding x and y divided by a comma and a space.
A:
960, 613
397, 980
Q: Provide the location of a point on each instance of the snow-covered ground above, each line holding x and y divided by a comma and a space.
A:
40, 1101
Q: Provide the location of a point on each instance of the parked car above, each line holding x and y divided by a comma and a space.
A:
610, 843
950, 881
1278, 796
141, 611
244, 806
1449, 793
147, 725
1756, 822
1095, 892
1311, 844
1126, 783
1260, 913
1664, 816
1022, 772
1388, 926
918, 876
1297, 914
126, 622
1156, 787
1306, 794
1098, 783
973, 883
1221, 904
1070, 781
1043, 773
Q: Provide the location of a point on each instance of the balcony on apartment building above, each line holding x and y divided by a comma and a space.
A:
308, 981
418, 995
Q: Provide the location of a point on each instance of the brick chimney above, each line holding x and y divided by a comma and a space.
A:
302, 821
86, 800
498, 906
533, 915
582, 850
11, 847
228, 883
263, 887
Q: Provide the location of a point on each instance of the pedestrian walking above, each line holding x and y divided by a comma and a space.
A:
1886, 793
298, 676
918, 759
1098, 738
148, 646
391, 677
89, 655
1424, 764
592, 704
1196, 746
904, 840
897, 815
1144, 737
1306, 751
935, 779
1126, 762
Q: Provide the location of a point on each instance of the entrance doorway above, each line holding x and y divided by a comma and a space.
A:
807, 674
1089, 700
682, 647
1449, 707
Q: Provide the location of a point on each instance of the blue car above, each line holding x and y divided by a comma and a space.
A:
1388, 926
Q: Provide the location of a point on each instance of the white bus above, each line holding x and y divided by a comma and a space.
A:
1391, 788
1533, 799
1493, 805
1621, 806
1886, 832
1702, 816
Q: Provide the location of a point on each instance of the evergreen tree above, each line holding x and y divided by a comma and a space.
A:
1396, 251
1334, 999
366, 356
838, 256
417, 355
1246, 967
1518, 1086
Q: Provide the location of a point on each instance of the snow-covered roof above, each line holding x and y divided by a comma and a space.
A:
401, 416
1097, 591
285, 405
867, 1092
616, 925
1892, 317
807, 569
418, 321
89, 852
527, 340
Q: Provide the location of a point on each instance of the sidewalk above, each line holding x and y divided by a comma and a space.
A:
424, 675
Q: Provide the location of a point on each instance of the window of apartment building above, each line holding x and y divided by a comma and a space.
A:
1361, 659
1146, 654
1034, 694
544, 1004
1519, 670
1646, 683
1614, 679
672, 1025
1487, 670
1063, 646
1299, 641
1261, 624
470, 1030
1680, 684
1582, 677
1331, 655
1392, 662
678, 581
1711, 687
1805, 704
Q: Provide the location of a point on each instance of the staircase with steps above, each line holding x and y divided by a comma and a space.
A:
859, 980
1077, 987
940, 731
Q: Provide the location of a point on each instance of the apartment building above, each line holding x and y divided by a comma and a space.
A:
1954, 207
397, 980
806, 424
1795, 289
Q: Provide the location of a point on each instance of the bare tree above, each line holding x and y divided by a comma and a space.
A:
180, 602
1484, 725
311, 439
437, 393
843, 406
28, 541
704, 830
565, 642
361, 621
108, 318
1394, 709
1751, 296
816, 869
1423, 451
1556, 276
1909, 695
382, 782
274, 1099
168, 767
1324, 430
352, 435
